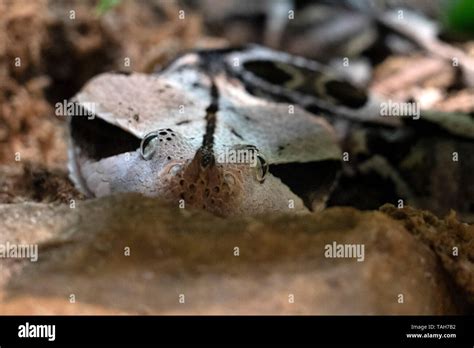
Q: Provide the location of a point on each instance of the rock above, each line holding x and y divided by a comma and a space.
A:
131, 254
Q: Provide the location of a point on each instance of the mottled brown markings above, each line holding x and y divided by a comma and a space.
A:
308, 82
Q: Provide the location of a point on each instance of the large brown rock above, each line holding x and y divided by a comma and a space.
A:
174, 251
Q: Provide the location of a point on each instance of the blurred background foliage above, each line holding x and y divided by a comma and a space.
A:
459, 17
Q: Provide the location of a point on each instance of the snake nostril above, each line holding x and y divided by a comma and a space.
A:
229, 178
148, 145
216, 189
174, 170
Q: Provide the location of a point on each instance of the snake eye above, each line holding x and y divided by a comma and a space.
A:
261, 163
148, 145
262, 168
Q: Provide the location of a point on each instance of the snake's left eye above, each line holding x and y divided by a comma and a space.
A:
261, 164
262, 167
149, 145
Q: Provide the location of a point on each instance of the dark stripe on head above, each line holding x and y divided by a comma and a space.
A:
208, 139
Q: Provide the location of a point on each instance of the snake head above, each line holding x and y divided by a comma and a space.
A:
172, 135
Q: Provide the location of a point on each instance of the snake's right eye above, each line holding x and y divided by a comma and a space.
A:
262, 168
149, 145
